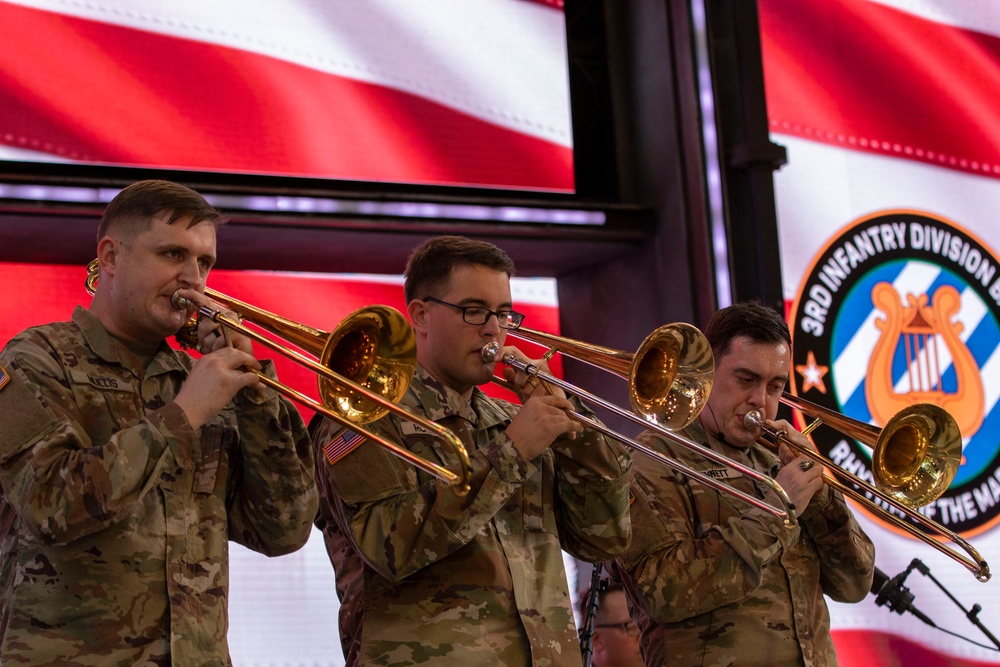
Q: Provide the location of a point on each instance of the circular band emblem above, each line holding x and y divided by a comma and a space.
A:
903, 307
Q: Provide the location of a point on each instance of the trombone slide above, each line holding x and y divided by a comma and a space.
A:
459, 482
973, 562
786, 512
333, 386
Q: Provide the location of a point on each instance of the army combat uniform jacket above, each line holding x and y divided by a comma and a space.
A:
427, 577
115, 514
713, 581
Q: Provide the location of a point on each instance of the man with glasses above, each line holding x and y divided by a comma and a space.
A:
616, 638
428, 576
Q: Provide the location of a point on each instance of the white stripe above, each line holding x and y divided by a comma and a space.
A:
849, 374
990, 372
503, 61
823, 188
21, 154
979, 15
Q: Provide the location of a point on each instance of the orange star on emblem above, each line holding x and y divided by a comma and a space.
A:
812, 374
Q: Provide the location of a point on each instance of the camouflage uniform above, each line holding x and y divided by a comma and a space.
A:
712, 581
427, 577
115, 515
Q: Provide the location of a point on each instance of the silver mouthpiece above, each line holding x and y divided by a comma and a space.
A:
753, 420
490, 352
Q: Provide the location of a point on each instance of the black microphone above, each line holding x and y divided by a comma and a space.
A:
893, 594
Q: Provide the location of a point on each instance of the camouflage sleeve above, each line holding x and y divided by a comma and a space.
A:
693, 549
274, 502
592, 473
63, 485
846, 553
400, 519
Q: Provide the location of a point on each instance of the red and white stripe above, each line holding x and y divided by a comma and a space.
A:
871, 77
887, 105
442, 91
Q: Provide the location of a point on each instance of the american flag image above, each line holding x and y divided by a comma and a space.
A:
342, 445
4, 378
386, 90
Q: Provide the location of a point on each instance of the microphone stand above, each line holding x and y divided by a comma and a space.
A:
898, 598
587, 631
971, 614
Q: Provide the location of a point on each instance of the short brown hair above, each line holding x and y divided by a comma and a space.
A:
431, 263
133, 210
747, 318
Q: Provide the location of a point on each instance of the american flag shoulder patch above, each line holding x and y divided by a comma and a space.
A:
4, 378
342, 445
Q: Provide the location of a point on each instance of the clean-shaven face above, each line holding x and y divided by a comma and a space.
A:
751, 376
149, 269
449, 348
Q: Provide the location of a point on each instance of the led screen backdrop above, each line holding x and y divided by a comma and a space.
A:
890, 254
433, 92
283, 611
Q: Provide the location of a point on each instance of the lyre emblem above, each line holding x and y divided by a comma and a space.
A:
932, 346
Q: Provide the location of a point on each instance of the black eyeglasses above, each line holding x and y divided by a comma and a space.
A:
477, 315
628, 627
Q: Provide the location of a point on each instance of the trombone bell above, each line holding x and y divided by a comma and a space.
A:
671, 376
375, 348
914, 460
917, 455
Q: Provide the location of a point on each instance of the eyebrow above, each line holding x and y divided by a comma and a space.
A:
472, 301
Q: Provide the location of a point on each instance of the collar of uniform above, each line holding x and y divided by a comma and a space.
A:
438, 402
109, 348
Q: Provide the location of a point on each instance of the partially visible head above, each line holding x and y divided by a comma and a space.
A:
155, 237
752, 347
616, 637
462, 273
133, 210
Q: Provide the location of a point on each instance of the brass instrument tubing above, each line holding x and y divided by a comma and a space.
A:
458, 482
975, 564
786, 513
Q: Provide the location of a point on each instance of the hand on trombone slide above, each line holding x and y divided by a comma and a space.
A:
544, 415
800, 476
226, 368
211, 335
527, 385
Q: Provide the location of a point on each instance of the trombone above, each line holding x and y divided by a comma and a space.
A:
364, 368
914, 459
669, 380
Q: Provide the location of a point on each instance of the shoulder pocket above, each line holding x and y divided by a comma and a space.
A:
23, 419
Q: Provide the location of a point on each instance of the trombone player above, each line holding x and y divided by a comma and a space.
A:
712, 581
431, 577
127, 466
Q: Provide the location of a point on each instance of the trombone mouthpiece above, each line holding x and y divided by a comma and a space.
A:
181, 303
753, 419
490, 352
